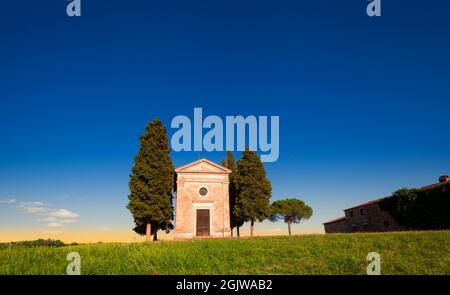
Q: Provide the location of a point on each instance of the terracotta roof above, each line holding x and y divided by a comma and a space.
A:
365, 204
377, 201
335, 220
432, 185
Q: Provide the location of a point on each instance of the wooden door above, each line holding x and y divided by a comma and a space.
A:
202, 222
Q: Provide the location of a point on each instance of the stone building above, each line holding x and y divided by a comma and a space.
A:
202, 201
369, 217
338, 225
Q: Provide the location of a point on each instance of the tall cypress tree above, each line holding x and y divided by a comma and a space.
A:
253, 189
151, 183
235, 220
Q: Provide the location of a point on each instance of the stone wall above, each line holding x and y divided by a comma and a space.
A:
336, 227
371, 219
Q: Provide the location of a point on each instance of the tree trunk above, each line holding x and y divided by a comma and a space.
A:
289, 227
237, 232
231, 232
148, 232
252, 227
155, 236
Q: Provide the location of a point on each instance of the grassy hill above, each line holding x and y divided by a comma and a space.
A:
401, 253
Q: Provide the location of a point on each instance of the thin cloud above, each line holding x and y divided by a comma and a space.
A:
48, 219
8, 201
55, 218
104, 228
63, 213
68, 221
54, 225
33, 207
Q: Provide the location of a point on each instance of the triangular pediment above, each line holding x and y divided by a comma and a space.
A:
202, 166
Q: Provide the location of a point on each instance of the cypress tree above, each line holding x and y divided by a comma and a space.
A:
253, 189
151, 183
235, 220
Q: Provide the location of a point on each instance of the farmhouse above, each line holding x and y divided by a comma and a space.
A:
369, 217
202, 201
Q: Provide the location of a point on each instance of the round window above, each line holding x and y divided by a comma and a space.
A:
203, 191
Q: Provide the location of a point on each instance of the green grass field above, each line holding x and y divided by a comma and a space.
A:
401, 253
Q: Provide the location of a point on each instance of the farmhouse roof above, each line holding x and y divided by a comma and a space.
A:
335, 220
365, 204
442, 180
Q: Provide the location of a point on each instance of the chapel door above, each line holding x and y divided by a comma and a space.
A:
202, 222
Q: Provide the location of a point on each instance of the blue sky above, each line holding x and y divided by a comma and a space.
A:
363, 102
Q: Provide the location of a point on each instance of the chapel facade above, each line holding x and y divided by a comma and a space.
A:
202, 207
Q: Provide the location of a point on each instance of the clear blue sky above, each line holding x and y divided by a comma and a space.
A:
363, 102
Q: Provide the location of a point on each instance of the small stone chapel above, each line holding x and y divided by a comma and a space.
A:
202, 201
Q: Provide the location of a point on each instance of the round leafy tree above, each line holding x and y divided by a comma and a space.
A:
291, 211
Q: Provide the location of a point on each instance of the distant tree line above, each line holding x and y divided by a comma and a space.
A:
153, 181
36, 243
420, 209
